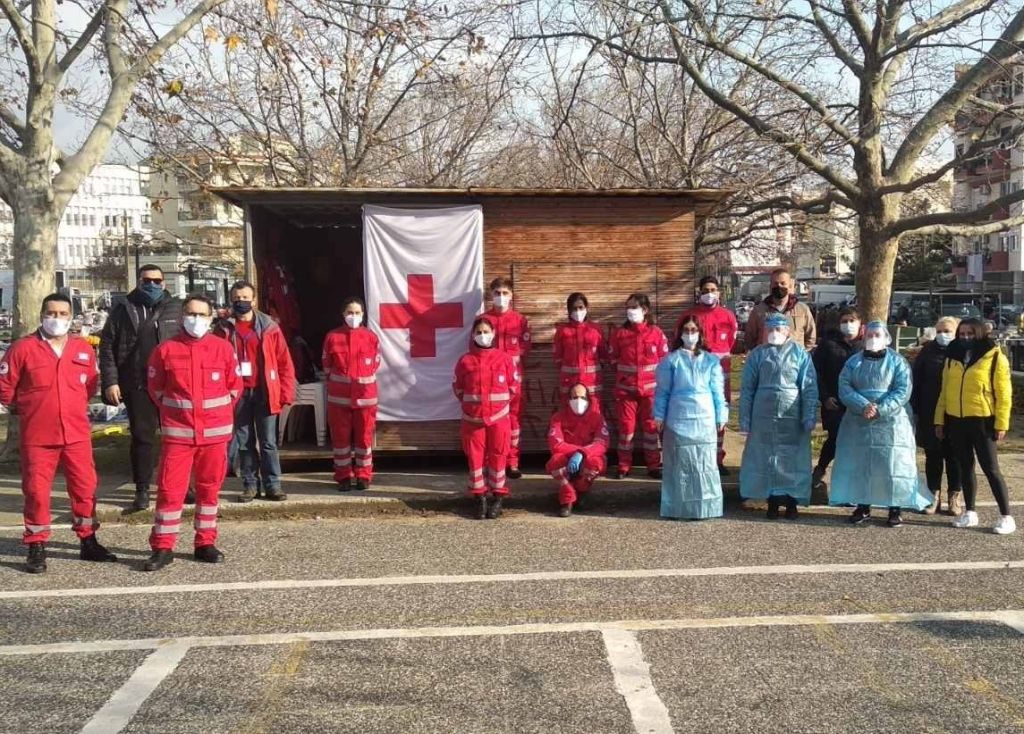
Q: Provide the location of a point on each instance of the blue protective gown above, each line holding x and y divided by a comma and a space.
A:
876, 460
690, 399
778, 394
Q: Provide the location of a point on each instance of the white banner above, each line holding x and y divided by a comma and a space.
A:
423, 270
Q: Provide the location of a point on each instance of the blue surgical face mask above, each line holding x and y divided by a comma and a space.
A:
241, 307
152, 291
943, 339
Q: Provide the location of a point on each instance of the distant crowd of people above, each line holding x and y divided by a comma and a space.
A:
214, 390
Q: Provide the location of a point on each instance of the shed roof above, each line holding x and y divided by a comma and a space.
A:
313, 206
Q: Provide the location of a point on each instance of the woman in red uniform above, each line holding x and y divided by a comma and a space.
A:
486, 379
579, 349
635, 350
351, 358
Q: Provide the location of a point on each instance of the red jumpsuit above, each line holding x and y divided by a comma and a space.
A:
194, 383
485, 382
635, 351
512, 336
719, 327
51, 396
351, 358
579, 350
569, 433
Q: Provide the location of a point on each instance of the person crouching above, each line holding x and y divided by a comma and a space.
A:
485, 381
578, 439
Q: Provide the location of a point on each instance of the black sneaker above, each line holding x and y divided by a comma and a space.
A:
362, 485
274, 494
91, 550
157, 560
565, 510
345, 485
654, 473
494, 508
773, 508
860, 515
895, 518
620, 473
141, 500
208, 554
514, 473
248, 494
481, 507
791, 511
36, 560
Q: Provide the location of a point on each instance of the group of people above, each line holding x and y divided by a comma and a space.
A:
215, 388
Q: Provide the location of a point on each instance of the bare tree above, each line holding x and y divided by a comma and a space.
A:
37, 178
876, 77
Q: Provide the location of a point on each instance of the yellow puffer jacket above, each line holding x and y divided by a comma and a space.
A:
968, 392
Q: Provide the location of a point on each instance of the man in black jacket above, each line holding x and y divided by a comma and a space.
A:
150, 316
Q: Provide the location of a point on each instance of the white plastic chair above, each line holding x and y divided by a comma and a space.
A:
312, 393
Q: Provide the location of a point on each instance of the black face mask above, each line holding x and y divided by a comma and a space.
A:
241, 307
779, 293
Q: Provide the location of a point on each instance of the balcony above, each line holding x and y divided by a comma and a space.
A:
995, 262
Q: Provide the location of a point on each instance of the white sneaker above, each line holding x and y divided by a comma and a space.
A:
967, 520
1005, 525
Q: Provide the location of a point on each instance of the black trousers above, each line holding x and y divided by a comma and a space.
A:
972, 437
830, 420
939, 456
143, 421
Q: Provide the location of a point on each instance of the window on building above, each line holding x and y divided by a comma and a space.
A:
147, 219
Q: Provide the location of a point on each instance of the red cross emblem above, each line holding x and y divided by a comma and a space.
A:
421, 316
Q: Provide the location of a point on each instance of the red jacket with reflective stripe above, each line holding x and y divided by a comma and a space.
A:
351, 358
195, 383
511, 334
636, 350
569, 433
485, 381
579, 350
277, 370
50, 393
717, 323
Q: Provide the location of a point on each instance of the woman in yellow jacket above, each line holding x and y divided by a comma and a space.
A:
974, 411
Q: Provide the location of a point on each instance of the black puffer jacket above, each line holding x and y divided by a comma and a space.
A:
829, 357
927, 374
130, 335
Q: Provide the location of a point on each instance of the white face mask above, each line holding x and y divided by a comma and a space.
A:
579, 405
579, 315
635, 315
54, 326
690, 339
777, 338
850, 328
943, 339
875, 343
196, 326
501, 301
484, 339
353, 320
709, 299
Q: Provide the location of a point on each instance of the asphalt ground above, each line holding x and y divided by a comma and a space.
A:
609, 621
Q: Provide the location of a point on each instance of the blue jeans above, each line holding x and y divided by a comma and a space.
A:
253, 422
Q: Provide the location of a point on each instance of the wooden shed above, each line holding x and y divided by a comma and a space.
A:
551, 242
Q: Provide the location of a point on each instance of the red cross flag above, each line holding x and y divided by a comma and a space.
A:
424, 285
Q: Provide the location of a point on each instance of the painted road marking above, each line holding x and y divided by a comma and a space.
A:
1008, 617
128, 699
537, 576
633, 682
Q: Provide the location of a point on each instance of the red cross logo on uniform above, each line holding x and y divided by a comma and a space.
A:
421, 316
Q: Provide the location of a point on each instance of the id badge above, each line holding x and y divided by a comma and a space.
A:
246, 369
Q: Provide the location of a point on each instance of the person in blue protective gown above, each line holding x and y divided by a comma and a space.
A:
778, 411
689, 410
876, 453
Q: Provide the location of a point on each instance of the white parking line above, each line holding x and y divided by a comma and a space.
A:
1009, 617
538, 576
632, 677
128, 699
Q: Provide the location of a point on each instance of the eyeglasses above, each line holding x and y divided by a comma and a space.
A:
158, 281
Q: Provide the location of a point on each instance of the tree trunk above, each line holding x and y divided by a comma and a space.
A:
35, 259
875, 265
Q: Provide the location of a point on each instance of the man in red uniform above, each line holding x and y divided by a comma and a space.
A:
578, 439
47, 378
195, 380
512, 336
719, 327
268, 384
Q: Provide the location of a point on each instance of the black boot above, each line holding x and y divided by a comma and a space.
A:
208, 554
36, 561
773, 508
791, 512
190, 496
619, 473
514, 473
362, 485
494, 508
565, 510
157, 560
481, 506
141, 501
860, 515
274, 494
91, 550
248, 495
895, 517
345, 485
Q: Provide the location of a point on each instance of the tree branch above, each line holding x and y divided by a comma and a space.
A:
83, 40
961, 222
942, 21
28, 47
